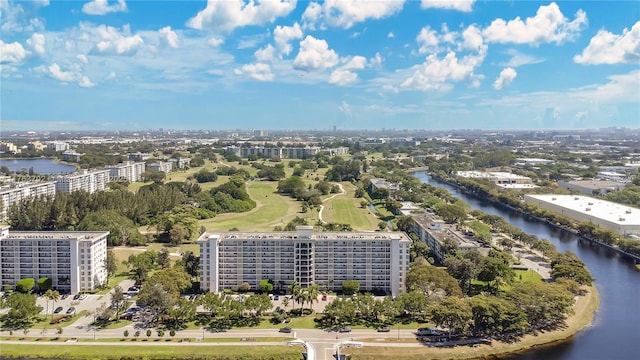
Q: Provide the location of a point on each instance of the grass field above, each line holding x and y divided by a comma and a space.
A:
154, 351
271, 209
346, 209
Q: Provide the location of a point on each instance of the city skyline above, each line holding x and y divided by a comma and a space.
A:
108, 65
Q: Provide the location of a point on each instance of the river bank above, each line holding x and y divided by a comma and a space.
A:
584, 312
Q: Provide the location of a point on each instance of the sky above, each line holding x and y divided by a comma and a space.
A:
287, 64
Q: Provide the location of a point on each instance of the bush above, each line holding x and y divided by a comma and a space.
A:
59, 319
25, 285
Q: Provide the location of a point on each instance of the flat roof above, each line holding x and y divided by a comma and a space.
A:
54, 235
596, 184
602, 209
291, 235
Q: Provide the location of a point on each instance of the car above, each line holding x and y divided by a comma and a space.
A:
276, 298
286, 330
427, 332
324, 297
82, 296
64, 296
70, 310
76, 296
219, 330
345, 329
383, 329
57, 310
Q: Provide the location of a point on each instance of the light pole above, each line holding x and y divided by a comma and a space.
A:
398, 330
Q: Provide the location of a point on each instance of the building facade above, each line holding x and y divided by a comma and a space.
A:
164, 166
378, 261
73, 260
16, 192
129, 171
85, 180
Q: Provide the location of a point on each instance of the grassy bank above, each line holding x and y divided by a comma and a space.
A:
584, 311
109, 351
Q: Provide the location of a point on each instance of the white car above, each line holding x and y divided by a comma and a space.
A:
83, 296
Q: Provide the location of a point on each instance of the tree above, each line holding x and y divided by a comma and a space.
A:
295, 290
110, 265
25, 285
177, 234
285, 302
163, 258
265, 285
44, 284
493, 316
462, 269
414, 303
126, 333
452, 313
382, 226
22, 311
258, 303
430, 280
148, 333
350, 287
52, 295
117, 300
191, 263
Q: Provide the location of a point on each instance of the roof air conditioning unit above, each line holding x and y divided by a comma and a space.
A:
587, 209
621, 219
576, 198
628, 212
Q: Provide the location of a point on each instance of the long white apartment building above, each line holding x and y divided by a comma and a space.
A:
73, 260
18, 191
84, 180
164, 166
378, 260
129, 171
621, 219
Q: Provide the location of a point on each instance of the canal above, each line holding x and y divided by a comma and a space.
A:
615, 332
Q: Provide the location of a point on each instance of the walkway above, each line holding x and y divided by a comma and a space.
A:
342, 192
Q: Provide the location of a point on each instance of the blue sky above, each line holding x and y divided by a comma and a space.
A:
123, 64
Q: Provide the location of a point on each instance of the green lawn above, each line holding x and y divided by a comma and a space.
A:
43, 323
118, 324
346, 209
133, 187
527, 276
179, 351
271, 209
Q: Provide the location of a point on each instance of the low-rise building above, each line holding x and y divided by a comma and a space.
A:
621, 219
19, 191
435, 233
73, 260
71, 155
379, 261
592, 187
8, 147
164, 166
58, 146
501, 179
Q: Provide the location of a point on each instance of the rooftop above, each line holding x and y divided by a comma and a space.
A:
280, 235
606, 210
53, 235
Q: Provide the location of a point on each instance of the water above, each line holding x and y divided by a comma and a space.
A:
615, 332
40, 166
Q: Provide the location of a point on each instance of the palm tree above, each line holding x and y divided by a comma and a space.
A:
285, 303
52, 295
313, 292
295, 290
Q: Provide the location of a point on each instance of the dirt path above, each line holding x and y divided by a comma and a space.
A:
342, 192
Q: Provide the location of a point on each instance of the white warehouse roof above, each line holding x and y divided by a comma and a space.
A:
605, 210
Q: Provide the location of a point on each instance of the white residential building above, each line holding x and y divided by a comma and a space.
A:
85, 180
58, 146
127, 171
378, 260
73, 260
16, 192
164, 166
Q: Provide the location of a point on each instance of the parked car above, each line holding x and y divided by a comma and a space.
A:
324, 297
82, 296
286, 330
57, 310
383, 329
70, 310
218, 330
64, 296
276, 298
345, 329
76, 296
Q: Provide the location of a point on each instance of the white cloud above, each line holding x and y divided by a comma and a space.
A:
427, 40
65, 76
391, 35
102, 7
608, 48
549, 25
342, 77
114, 42
11, 52
169, 36
231, 14
376, 60
345, 108
435, 73
36, 41
315, 55
283, 35
460, 5
506, 77
215, 41
519, 59
112, 75
18, 16
82, 58
344, 14
85, 82
472, 38
258, 71
266, 54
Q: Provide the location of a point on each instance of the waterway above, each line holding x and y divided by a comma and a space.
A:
615, 332
40, 166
